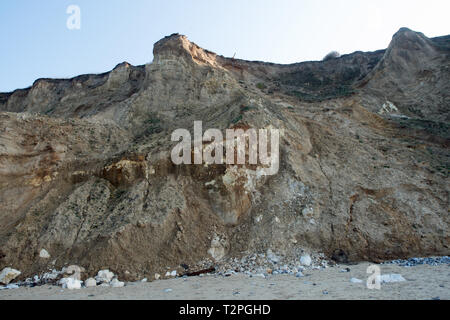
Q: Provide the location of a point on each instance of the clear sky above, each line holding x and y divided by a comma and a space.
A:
36, 43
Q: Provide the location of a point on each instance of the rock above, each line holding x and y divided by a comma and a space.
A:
144, 280
48, 277
90, 283
272, 257
168, 290
218, 248
173, 273
157, 276
299, 274
390, 278
104, 276
44, 254
345, 270
12, 286
8, 274
74, 271
70, 283
355, 280
306, 260
117, 284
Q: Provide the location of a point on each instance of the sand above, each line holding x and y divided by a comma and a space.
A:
423, 282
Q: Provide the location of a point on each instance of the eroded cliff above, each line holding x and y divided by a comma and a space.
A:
85, 168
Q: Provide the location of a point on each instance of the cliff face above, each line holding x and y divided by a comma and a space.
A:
85, 169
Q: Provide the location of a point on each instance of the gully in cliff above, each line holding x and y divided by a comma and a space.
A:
209, 148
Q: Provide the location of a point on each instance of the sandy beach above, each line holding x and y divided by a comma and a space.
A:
423, 282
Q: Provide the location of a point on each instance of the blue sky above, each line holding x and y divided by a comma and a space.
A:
36, 43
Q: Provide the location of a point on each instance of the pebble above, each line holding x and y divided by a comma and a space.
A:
412, 262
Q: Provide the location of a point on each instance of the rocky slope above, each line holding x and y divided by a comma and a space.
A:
85, 169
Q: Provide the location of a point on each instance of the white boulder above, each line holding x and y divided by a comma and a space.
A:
104, 276
8, 274
12, 286
90, 283
306, 260
70, 283
171, 274
117, 284
44, 254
